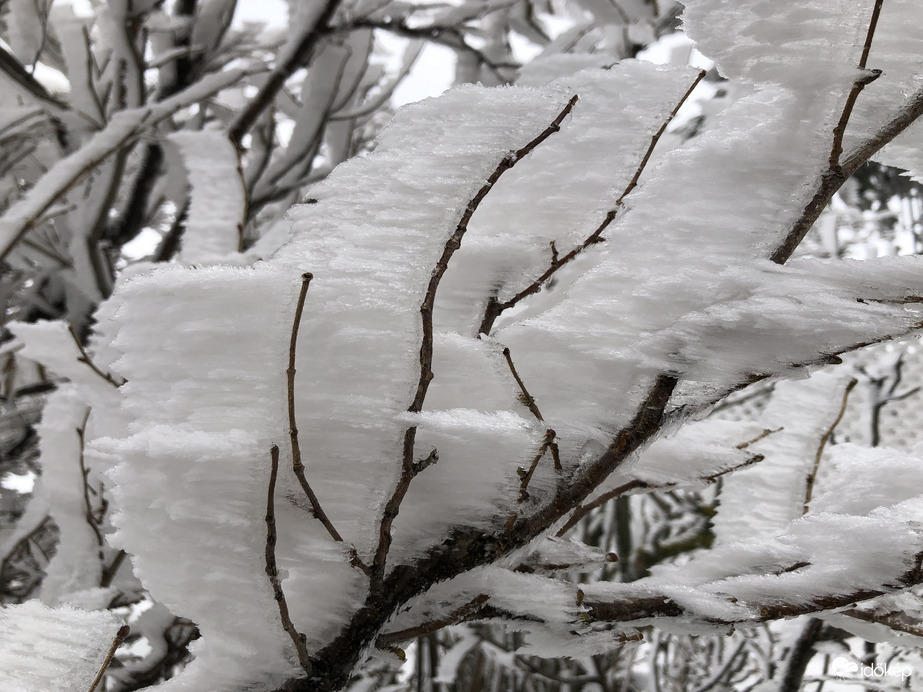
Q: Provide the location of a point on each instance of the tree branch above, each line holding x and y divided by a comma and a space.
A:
297, 465
272, 571
495, 308
465, 612
812, 476
867, 77
392, 507
85, 359
123, 632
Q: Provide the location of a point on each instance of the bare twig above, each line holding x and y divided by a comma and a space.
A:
297, 464
458, 615
812, 476
766, 433
637, 484
85, 358
526, 398
116, 643
113, 569
272, 571
867, 77
581, 511
495, 308
392, 507
885, 619
84, 475
526, 475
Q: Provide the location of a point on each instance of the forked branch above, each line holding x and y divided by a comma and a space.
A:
865, 78
86, 360
408, 464
495, 308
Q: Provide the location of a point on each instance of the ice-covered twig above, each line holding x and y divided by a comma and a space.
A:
866, 77
85, 473
527, 399
392, 506
297, 465
833, 179
465, 612
889, 620
272, 571
85, 359
766, 433
525, 475
637, 484
548, 444
495, 308
812, 475
449, 36
659, 605
116, 643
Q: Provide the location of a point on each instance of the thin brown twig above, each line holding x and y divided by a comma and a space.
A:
272, 571
884, 619
116, 643
637, 484
527, 399
495, 308
85, 359
867, 77
462, 613
766, 433
84, 475
392, 507
812, 476
297, 464
526, 475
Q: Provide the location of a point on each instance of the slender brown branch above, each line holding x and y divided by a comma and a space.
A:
867, 77
637, 484
85, 359
297, 464
581, 511
297, 57
116, 643
527, 399
495, 308
272, 571
661, 606
392, 507
766, 433
884, 619
526, 475
812, 476
113, 569
458, 615
84, 475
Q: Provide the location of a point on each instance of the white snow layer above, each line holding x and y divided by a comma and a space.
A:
218, 204
679, 284
69, 643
